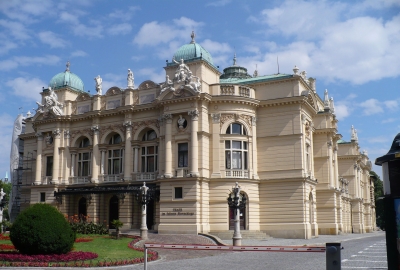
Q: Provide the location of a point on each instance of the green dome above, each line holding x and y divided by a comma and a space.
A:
67, 78
193, 51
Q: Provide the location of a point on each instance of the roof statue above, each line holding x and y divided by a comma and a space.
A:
130, 79
331, 105
167, 85
354, 136
99, 82
296, 70
51, 104
193, 35
255, 74
326, 100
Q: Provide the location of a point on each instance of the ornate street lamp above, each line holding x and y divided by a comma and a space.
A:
144, 197
237, 201
3, 203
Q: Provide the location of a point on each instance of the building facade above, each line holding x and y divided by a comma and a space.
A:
191, 138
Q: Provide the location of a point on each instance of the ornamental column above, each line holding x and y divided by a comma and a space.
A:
73, 155
194, 164
56, 156
168, 144
38, 175
95, 156
128, 151
216, 172
136, 161
67, 157
254, 146
103, 155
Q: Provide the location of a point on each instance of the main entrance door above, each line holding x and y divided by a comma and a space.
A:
113, 211
82, 209
242, 219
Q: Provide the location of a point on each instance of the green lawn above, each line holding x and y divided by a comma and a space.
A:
107, 248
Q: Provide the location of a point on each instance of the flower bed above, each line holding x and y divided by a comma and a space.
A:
83, 239
70, 256
4, 237
12, 258
7, 247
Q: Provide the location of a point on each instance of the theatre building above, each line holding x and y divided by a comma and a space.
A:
191, 138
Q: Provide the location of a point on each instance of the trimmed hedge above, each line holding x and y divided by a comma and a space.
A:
42, 229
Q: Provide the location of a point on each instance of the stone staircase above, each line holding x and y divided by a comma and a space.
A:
227, 235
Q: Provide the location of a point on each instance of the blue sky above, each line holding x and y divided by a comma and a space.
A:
352, 48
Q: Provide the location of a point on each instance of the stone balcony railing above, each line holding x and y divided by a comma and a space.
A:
236, 174
146, 176
110, 178
79, 179
181, 172
235, 90
46, 180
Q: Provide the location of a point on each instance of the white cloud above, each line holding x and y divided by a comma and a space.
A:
152, 74
154, 33
52, 39
120, 29
78, 53
341, 111
391, 104
94, 30
371, 106
216, 47
6, 126
124, 15
17, 61
26, 11
218, 3
26, 88
354, 49
389, 120
6, 45
16, 29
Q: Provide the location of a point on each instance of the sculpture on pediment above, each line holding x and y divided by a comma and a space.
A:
167, 85
51, 104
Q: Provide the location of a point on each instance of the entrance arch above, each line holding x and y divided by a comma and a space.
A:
82, 208
243, 215
113, 210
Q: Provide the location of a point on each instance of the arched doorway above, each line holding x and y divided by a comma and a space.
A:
113, 212
82, 208
243, 215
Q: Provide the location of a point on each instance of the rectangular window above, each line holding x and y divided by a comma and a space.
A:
183, 155
236, 155
49, 166
149, 158
115, 161
42, 196
178, 193
83, 164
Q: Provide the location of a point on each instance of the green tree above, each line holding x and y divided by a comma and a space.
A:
378, 193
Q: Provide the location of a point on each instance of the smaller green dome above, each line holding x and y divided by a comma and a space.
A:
67, 78
235, 71
193, 51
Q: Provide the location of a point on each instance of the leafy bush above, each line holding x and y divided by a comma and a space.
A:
42, 229
84, 225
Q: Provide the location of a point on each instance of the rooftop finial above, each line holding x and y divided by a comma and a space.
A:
67, 65
234, 59
326, 100
354, 136
193, 35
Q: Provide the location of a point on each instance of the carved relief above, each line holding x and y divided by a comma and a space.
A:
113, 91
307, 129
83, 97
74, 107
216, 117
147, 85
194, 114
225, 117
135, 99
103, 104
246, 118
56, 133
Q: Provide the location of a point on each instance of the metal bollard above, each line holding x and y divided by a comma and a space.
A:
333, 258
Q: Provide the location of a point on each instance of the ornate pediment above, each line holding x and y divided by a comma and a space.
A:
113, 91
83, 97
147, 85
311, 99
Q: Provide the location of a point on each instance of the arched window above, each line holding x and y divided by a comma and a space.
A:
84, 143
149, 154
236, 151
236, 128
115, 155
115, 139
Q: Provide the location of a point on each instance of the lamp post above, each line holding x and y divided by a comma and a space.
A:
237, 201
143, 197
